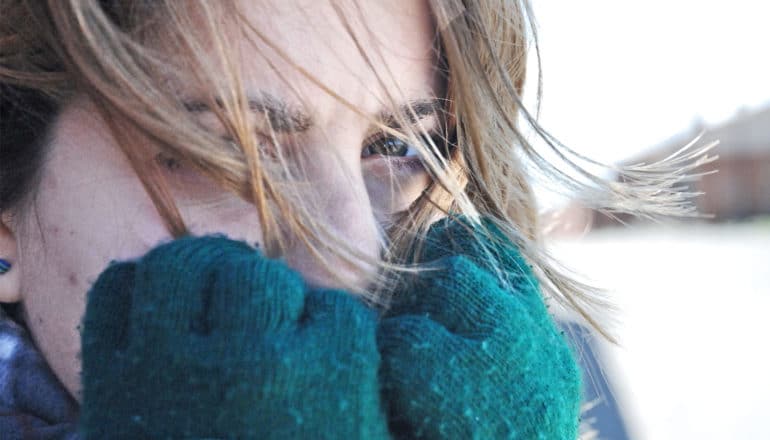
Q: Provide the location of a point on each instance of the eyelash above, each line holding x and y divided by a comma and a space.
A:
436, 138
168, 162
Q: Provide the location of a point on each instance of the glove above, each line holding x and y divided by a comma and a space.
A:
206, 338
467, 354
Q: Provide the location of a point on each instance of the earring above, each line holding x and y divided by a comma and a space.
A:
5, 266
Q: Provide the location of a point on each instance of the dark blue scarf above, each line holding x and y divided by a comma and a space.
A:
33, 403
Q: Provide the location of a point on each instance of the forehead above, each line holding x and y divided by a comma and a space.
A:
364, 51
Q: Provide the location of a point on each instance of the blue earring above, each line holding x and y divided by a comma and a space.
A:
5, 266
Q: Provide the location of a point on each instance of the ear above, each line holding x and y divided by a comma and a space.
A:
10, 282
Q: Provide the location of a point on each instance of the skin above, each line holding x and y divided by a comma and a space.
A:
91, 208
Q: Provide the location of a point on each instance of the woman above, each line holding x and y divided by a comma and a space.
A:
322, 142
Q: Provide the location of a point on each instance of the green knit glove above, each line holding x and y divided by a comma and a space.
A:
206, 338
466, 356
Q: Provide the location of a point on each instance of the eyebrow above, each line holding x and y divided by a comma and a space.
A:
413, 112
284, 118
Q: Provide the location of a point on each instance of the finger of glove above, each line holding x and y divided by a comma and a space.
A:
187, 287
497, 255
253, 295
105, 330
337, 348
414, 336
106, 323
422, 363
485, 244
448, 236
461, 297
345, 318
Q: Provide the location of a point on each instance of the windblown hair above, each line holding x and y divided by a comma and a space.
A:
51, 51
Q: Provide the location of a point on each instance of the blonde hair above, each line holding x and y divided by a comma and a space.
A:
101, 48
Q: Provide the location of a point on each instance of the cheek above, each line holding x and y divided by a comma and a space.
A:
71, 239
229, 215
208, 209
89, 209
393, 187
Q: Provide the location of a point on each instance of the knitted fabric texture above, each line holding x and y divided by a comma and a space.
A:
206, 338
469, 354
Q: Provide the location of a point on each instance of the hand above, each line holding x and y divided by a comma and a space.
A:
206, 338
468, 355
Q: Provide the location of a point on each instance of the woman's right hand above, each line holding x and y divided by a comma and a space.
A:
205, 337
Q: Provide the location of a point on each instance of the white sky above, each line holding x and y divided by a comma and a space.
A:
622, 76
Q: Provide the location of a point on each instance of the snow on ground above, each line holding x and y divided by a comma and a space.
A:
694, 326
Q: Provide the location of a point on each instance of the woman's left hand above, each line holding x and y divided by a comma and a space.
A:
465, 356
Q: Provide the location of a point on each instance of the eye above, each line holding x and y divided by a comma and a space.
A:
168, 162
394, 147
389, 146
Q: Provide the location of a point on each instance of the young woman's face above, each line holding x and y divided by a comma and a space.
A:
91, 207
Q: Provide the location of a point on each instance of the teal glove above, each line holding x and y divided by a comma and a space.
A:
465, 356
206, 338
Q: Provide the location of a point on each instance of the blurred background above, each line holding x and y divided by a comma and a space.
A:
633, 82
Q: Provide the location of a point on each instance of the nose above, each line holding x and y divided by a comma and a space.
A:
338, 200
